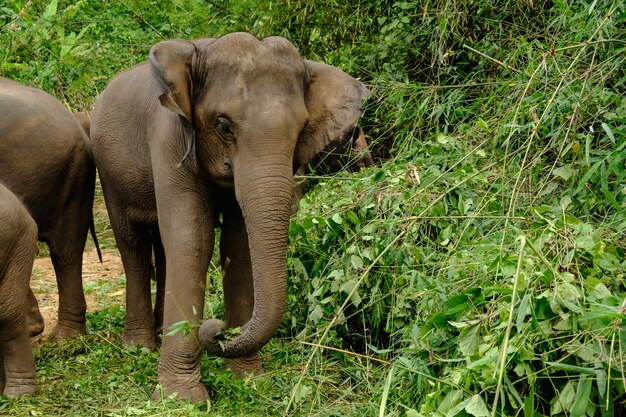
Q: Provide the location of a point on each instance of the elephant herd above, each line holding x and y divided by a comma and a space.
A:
205, 134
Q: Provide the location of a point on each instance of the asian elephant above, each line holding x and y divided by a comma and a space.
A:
18, 247
203, 129
348, 151
45, 162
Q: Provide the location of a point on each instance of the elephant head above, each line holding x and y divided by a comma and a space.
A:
251, 110
346, 152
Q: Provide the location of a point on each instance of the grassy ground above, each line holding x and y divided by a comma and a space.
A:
477, 270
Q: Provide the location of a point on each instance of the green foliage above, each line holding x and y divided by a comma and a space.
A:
478, 270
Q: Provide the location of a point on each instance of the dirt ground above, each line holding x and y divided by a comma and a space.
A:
103, 284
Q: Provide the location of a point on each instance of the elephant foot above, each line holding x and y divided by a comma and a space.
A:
17, 367
186, 387
34, 320
17, 387
35, 328
67, 330
142, 338
245, 366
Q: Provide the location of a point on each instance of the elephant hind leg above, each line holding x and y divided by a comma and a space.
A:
17, 364
159, 266
34, 320
134, 244
67, 242
67, 256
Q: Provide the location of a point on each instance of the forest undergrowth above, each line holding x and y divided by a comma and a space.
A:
476, 270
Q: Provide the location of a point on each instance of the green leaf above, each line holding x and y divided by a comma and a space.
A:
183, 326
383, 401
564, 171
451, 399
301, 391
529, 406
356, 261
608, 261
582, 396
565, 400
608, 131
469, 339
317, 314
476, 406
522, 311
571, 368
353, 218
601, 380
337, 218
51, 10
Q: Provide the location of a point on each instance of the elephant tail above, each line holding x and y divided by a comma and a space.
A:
92, 231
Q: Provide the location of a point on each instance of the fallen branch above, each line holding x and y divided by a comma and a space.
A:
502, 64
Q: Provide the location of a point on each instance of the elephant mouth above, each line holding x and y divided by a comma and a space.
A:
224, 182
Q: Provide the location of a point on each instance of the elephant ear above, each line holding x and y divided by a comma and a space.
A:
170, 64
334, 101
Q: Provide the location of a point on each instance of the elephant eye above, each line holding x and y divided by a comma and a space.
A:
223, 128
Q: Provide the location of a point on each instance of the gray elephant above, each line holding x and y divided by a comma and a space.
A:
18, 246
210, 128
44, 160
347, 152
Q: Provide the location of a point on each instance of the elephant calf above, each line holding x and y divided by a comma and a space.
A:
18, 246
346, 152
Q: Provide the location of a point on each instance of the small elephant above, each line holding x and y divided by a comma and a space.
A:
210, 128
44, 160
18, 247
347, 152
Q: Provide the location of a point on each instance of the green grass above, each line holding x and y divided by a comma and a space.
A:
478, 270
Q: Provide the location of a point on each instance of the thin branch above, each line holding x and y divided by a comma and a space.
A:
585, 44
495, 61
140, 16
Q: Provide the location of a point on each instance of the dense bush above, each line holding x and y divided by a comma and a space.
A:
479, 268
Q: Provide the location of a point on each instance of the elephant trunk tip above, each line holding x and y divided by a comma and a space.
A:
214, 338
208, 335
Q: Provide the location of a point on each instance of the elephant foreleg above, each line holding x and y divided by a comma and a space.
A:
237, 281
188, 239
19, 366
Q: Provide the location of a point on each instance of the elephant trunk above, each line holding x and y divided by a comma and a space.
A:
264, 194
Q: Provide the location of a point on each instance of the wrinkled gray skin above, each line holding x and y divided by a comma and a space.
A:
44, 161
18, 246
208, 128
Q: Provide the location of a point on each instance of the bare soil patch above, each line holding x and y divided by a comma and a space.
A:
103, 284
